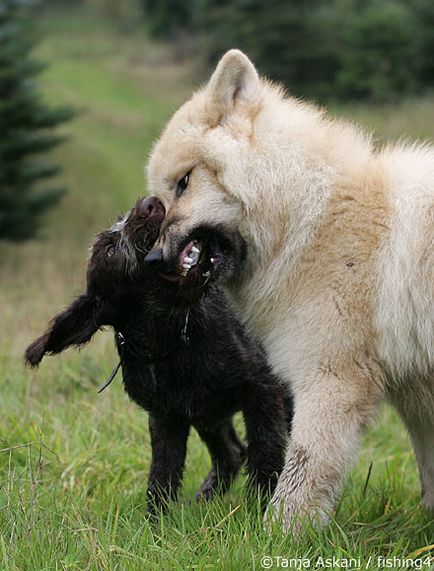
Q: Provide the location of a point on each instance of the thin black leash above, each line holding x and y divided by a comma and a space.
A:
123, 344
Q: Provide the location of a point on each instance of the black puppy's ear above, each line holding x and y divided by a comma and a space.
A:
74, 326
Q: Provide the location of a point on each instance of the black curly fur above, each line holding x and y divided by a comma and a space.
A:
201, 383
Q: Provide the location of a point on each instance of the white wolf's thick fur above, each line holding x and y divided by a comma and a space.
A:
339, 278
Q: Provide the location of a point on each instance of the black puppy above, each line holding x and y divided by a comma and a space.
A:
187, 360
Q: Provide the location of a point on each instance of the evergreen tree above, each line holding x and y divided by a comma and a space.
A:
424, 36
167, 17
26, 125
382, 58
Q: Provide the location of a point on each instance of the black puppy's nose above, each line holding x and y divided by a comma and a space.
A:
150, 206
155, 257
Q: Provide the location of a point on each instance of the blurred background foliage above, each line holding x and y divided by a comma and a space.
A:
325, 49
322, 49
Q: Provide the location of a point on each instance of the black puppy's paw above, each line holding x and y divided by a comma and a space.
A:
219, 480
208, 488
157, 504
152, 513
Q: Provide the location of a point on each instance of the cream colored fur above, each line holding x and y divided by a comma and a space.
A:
339, 278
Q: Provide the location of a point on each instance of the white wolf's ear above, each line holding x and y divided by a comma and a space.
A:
234, 80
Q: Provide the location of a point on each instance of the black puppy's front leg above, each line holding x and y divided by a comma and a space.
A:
227, 456
169, 447
267, 427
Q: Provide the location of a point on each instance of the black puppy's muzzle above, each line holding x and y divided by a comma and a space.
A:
144, 222
150, 207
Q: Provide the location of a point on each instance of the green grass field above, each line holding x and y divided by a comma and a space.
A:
73, 465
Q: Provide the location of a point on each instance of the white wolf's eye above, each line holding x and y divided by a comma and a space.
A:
182, 184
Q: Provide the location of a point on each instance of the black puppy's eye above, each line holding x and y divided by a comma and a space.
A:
110, 251
182, 184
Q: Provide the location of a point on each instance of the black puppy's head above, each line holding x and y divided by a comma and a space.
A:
116, 263
116, 273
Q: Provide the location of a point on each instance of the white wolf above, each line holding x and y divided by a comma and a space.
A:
326, 247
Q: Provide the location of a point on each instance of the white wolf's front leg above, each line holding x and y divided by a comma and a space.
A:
330, 411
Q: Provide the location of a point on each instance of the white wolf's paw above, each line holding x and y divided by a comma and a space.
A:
294, 517
290, 518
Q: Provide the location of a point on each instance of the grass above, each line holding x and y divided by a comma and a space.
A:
73, 465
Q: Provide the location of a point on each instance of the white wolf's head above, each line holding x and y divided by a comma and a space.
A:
221, 162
